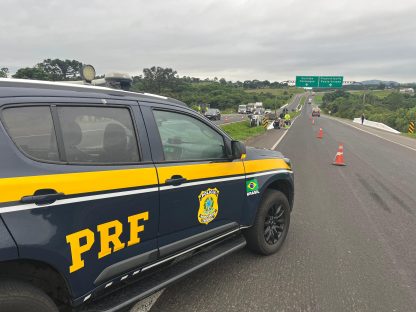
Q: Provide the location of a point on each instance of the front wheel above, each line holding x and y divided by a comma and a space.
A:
17, 296
271, 224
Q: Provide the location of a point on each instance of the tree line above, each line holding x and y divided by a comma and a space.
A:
395, 110
217, 92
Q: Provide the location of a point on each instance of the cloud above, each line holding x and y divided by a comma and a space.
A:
241, 39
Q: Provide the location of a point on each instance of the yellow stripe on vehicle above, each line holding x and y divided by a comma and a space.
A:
13, 189
201, 171
218, 170
253, 166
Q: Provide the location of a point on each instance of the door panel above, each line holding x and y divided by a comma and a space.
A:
108, 214
200, 187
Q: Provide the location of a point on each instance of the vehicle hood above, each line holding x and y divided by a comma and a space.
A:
261, 153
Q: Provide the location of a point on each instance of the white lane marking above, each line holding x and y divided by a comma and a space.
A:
283, 135
77, 200
376, 135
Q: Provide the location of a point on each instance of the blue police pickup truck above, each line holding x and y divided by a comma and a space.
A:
107, 196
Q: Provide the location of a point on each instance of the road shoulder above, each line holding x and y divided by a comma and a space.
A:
398, 139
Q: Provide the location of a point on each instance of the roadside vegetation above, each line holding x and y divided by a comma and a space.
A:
241, 131
277, 91
394, 109
217, 92
410, 135
377, 93
318, 98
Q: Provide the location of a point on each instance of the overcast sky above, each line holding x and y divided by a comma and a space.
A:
237, 40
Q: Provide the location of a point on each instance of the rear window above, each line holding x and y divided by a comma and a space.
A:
90, 135
31, 129
98, 135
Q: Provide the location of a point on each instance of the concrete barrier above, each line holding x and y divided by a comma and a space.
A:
375, 124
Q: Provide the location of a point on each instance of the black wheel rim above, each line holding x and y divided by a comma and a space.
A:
274, 224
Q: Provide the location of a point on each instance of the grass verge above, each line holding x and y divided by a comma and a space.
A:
410, 135
302, 100
241, 131
378, 93
318, 98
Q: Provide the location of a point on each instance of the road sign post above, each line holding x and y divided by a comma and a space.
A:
319, 81
265, 122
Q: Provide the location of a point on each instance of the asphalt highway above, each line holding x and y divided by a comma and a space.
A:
351, 244
230, 118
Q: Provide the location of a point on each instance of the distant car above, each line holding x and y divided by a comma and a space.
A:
213, 114
267, 111
316, 112
242, 109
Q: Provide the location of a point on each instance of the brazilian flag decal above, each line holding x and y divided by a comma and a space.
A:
252, 187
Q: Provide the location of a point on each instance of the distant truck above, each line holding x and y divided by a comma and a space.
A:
316, 111
258, 105
310, 101
242, 109
250, 108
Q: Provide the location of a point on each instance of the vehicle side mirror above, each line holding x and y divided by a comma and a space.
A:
238, 149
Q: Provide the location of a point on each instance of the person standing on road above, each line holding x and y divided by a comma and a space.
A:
362, 118
287, 120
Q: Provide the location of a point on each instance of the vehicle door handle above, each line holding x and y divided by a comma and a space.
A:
39, 198
176, 180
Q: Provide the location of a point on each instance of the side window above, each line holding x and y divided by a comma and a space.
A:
186, 138
98, 135
31, 128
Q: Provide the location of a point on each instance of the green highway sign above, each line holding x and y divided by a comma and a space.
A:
330, 81
319, 81
307, 81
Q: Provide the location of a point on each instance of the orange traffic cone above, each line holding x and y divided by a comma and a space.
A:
320, 134
339, 157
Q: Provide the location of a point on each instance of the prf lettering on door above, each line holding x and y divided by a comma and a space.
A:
109, 235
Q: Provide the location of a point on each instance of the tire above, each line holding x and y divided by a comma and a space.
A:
274, 210
16, 296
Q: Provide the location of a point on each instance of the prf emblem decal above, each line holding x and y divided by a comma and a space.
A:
208, 205
252, 187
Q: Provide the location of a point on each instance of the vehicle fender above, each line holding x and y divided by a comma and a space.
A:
8, 247
275, 181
